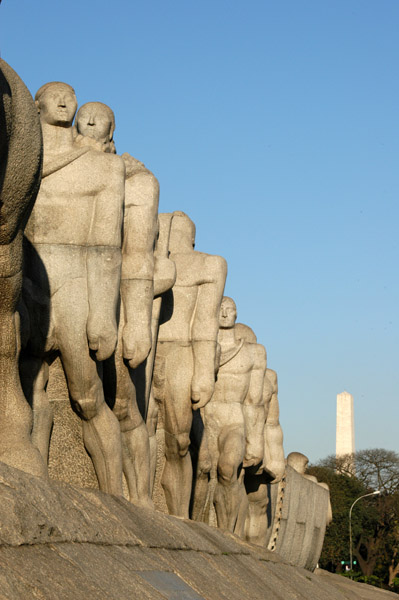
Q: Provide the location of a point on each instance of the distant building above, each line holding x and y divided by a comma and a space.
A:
345, 436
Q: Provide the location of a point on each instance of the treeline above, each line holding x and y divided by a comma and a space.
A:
375, 519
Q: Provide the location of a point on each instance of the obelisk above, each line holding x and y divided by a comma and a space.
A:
345, 436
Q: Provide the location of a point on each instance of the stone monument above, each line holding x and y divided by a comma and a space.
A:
96, 121
345, 435
185, 363
73, 269
234, 419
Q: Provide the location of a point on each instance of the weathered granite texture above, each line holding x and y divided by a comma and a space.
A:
72, 280
185, 363
60, 542
234, 421
20, 172
96, 120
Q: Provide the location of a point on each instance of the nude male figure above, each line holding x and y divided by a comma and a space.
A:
73, 262
184, 370
96, 121
234, 418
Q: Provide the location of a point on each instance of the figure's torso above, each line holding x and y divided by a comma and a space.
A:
76, 202
191, 272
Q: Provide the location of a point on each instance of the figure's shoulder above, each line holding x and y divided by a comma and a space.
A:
272, 377
213, 262
260, 353
103, 160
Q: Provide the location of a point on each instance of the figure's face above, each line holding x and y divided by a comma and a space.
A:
57, 105
93, 121
228, 314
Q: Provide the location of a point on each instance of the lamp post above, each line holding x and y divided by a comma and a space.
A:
350, 523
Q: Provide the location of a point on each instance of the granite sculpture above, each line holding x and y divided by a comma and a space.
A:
96, 121
20, 172
300, 463
97, 292
234, 419
164, 279
185, 362
73, 270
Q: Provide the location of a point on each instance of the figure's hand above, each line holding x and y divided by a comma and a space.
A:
253, 457
201, 390
135, 350
102, 340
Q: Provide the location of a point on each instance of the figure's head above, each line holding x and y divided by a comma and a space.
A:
227, 313
298, 461
96, 120
56, 103
182, 232
243, 332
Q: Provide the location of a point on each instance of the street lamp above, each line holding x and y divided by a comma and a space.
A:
350, 523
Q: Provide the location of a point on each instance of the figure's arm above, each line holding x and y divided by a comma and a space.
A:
137, 287
254, 409
274, 450
104, 256
205, 329
164, 268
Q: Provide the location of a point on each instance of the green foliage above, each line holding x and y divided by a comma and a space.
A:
375, 519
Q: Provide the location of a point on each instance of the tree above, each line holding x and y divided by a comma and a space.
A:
375, 521
376, 468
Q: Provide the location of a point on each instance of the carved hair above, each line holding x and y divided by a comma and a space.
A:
46, 86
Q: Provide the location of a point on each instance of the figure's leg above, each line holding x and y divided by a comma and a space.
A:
135, 443
202, 464
239, 527
152, 422
34, 378
227, 496
177, 474
120, 395
16, 448
256, 521
101, 432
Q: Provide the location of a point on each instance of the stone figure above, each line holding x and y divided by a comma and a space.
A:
73, 264
164, 279
256, 482
184, 370
20, 170
300, 463
234, 418
96, 121
274, 451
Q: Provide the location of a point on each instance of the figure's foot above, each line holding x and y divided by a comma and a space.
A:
26, 458
144, 503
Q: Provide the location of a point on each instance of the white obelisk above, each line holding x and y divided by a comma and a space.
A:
345, 436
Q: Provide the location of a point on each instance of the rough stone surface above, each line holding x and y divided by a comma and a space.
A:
60, 542
185, 363
72, 280
20, 172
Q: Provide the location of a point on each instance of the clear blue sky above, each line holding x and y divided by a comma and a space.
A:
275, 126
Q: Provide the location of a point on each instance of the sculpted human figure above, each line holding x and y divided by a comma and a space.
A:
300, 462
96, 121
73, 260
234, 417
20, 168
164, 279
184, 370
273, 462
